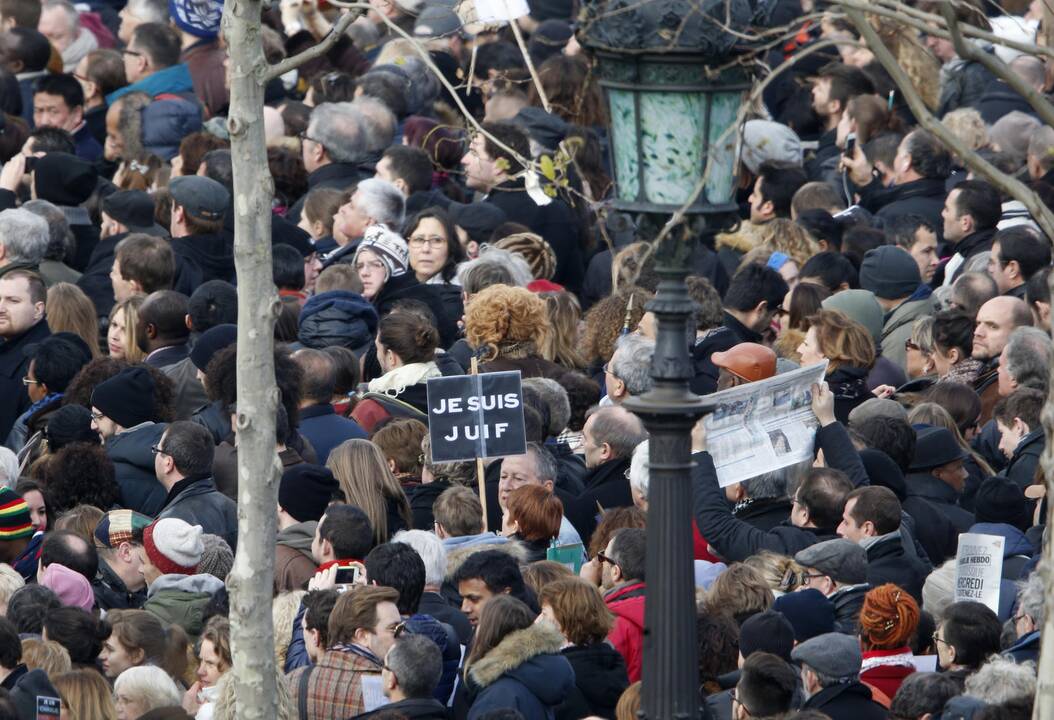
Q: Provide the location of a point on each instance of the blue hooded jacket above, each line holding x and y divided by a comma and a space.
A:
337, 317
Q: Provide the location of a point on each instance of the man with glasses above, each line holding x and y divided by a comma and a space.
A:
183, 465
362, 629
124, 415
838, 569
1028, 620
967, 636
892, 274
53, 364
766, 688
409, 678
622, 581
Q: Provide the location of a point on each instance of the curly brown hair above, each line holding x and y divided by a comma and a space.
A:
605, 320
507, 321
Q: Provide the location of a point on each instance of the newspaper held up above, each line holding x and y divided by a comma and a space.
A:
979, 569
763, 426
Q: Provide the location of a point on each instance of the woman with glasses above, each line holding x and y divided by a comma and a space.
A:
516, 663
434, 255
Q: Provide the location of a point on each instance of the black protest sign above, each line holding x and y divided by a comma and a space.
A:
475, 416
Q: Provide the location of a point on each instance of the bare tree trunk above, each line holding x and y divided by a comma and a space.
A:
250, 581
1043, 706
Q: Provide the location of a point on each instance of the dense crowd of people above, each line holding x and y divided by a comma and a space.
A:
407, 246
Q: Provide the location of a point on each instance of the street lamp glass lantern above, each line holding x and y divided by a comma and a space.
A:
671, 122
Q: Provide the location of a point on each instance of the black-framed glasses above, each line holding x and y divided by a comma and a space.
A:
304, 136
940, 640
156, 450
96, 415
605, 559
400, 629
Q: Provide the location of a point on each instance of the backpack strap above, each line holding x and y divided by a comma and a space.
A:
301, 693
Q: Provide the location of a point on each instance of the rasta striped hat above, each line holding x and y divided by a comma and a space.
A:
14, 516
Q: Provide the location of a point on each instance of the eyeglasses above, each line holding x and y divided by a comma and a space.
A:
605, 559
433, 241
369, 265
304, 136
156, 450
133, 53
940, 641
96, 415
27, 381
399, 630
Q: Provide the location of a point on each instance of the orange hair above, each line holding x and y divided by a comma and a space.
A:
888, 618
537, 511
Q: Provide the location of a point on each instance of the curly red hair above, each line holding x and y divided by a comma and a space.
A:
888, 618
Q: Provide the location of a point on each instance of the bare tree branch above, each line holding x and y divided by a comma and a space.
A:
530, 65
1011, 186
969, 51
292, 63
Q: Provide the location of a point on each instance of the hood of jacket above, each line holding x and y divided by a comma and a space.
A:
175, 80
337, 317
298, 536
530, 656
1016, 542
133, 445
197, 584
458, 553
627, 602
907, 312
165, 124
600, 672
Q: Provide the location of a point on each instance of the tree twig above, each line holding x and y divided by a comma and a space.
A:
516, 33
292, 63
969, 51
1011, 186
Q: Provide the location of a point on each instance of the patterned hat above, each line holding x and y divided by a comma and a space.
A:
389, 247
200, 18
536, 251
15, 522
119, 526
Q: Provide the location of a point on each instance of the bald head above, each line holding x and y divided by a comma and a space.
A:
996, 319
1030, 69
972, 290
611, 433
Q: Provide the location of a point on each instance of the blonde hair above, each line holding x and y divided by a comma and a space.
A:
86, 695
628, 703
367, 483
130, 308
70, 310
283, 614
605, 320
10, 581
224, 708
779, 572
790, 238
46, 655
560, 344
967, 125
842, 341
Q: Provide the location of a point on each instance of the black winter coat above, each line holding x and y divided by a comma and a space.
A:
923, 197
555, 222
133, 464
962, 85
600, 678
933, 529
606, 486
846, 702
335, 175
999, 99
887, 562
847, 602
1023, 464
944, 499
214, 254
198, 502
13, 367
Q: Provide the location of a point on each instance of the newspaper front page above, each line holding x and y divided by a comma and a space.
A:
763, 426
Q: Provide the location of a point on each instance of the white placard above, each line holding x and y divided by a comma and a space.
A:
924, 663
501, 10
979, 569
372, 692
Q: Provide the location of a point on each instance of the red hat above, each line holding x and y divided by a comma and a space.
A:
174, 546
747, 361
540, 286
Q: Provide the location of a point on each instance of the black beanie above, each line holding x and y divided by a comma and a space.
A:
127, 398
70, 424
211, 342
1000, 500
768, 631
305, 491
64, 179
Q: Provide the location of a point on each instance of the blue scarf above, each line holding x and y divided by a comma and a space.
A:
50, 397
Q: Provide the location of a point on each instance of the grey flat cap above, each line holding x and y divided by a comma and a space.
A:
842, 560
876, 407
832, 654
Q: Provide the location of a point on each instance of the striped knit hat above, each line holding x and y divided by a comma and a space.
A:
14, 516
535, 250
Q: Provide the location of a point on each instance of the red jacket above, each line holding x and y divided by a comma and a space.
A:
627, 604
886, 669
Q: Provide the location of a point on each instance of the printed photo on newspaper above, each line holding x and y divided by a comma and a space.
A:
763, 426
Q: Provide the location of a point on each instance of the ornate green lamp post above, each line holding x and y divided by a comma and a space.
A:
673, 123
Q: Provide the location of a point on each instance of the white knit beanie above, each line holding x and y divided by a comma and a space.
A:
388, 246
174, 546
